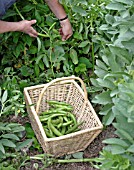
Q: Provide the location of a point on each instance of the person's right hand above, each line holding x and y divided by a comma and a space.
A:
26, 27
66, 29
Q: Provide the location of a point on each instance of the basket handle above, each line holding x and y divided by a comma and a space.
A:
60, 79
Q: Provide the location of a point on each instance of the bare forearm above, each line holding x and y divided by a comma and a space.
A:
8, 26
56, 8
22, 26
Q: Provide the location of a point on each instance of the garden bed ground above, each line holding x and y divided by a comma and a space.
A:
91, 151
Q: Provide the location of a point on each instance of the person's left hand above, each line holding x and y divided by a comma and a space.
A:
65, 30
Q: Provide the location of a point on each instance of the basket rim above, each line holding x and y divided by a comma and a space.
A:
44, 84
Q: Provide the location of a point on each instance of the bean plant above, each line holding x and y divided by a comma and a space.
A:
47, 55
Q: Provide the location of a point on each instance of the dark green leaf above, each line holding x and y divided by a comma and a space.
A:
73, 55
79, 10
85, 61
28, 8
84, 43
36, 70
80, 68
37, 16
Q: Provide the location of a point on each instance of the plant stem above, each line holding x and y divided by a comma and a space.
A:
52, 26
43, 31
18, 12
92, 46
74, 160
93, 55
43, 35
60, 161
52, 68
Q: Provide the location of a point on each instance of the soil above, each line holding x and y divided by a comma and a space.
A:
90, 152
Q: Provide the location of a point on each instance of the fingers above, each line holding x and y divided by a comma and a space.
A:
33, 32
65, 30
67, 37
26, 27
32, 35
64, 35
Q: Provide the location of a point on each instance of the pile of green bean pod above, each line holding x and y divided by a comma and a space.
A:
59, 119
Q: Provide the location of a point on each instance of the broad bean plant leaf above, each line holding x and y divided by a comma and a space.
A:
116, 94
2, 148
73, 55
103, 98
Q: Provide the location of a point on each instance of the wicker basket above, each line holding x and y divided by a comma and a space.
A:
68, 90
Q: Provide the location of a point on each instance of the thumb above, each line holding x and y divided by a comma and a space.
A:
32, 22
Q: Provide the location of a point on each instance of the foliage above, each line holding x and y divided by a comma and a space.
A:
116, 64
31, 135
13, 161
11, 145
48, 56
109, 161
11, 105
9, 135
114, 81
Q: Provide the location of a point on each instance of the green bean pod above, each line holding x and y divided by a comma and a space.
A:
65, 118
63, 130
57, 102
72, 117
72, 129
56, 121
61, 122
67, 123
53, 129
62, 107
48, 134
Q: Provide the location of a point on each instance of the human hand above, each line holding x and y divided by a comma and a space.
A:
26, 27
65, 30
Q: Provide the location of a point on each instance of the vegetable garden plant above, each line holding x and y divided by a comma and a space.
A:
100, 52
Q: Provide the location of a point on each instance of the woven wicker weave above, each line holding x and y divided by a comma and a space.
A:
68, 90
